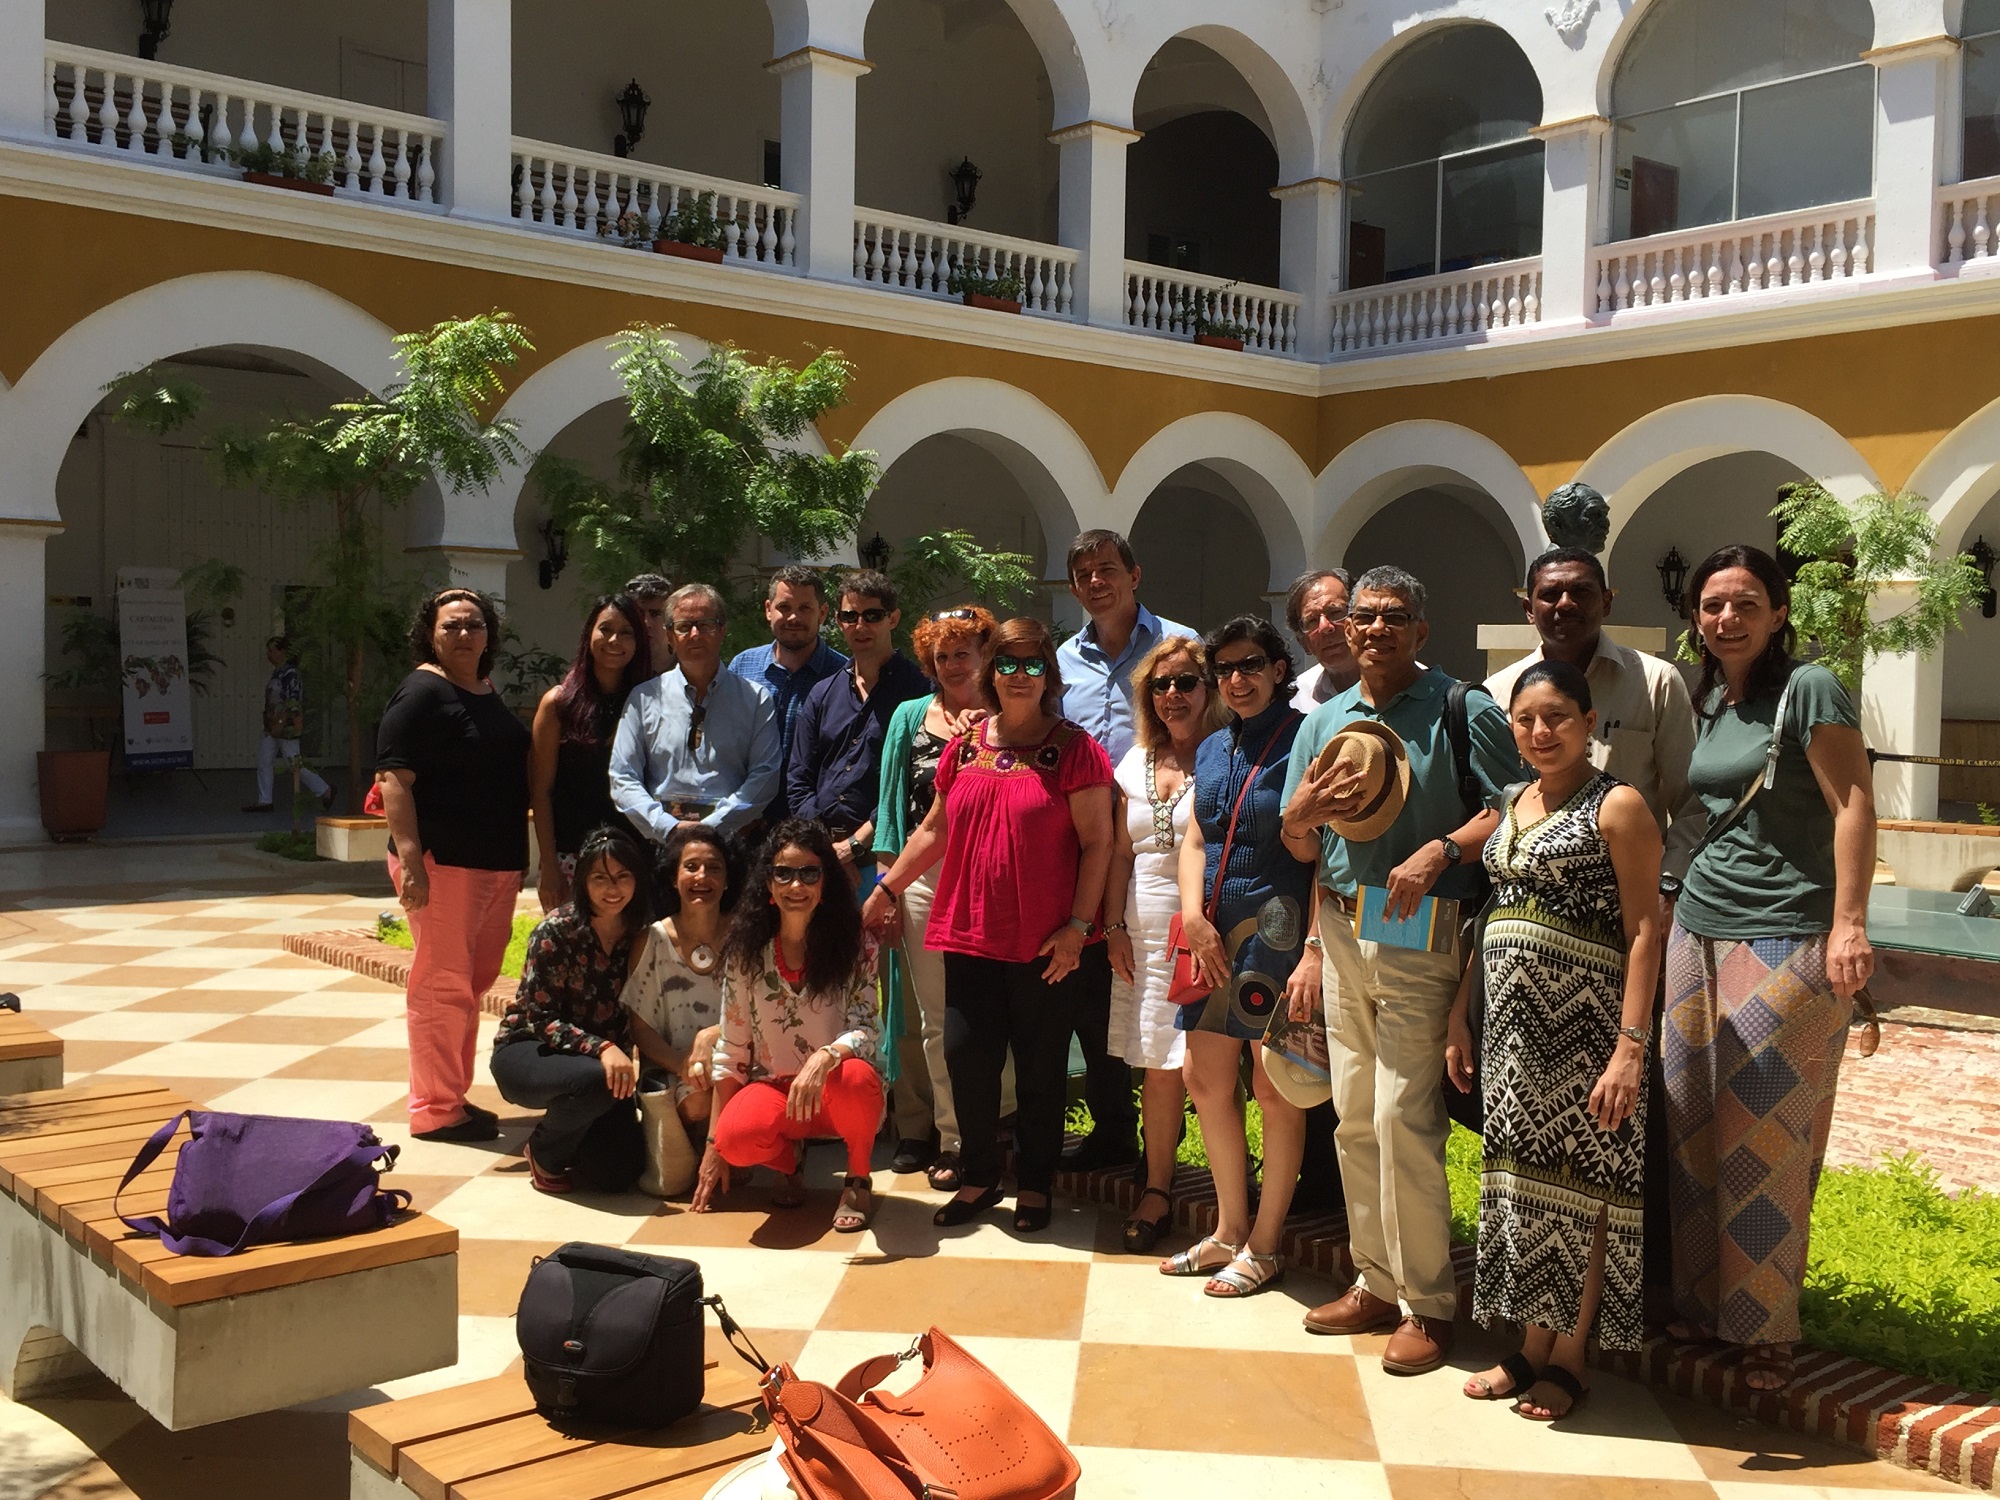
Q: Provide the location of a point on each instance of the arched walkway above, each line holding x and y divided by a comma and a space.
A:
1392, 461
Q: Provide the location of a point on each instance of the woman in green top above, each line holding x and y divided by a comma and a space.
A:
1769, 945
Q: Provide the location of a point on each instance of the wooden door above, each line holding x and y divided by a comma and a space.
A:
1656, 197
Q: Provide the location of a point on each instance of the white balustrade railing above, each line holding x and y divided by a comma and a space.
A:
197, 121
920, 256
1439, 309
584, 194
1175, 303
1728, 260
1969, 221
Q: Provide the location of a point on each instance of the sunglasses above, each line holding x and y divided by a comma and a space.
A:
807, 875
1248, 666
462, 627
954, 614
1178, 682
696, 718
1395, 619
1008, 666
856, 616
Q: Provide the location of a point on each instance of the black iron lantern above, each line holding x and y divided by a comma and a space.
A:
875, 553
1983, 559
555, 543
1673, 579
156, 16
965, 178
632, 106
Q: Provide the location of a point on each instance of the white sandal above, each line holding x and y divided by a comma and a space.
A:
1245, 1275
1189, 1261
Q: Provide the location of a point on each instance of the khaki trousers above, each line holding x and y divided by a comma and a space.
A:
1386, 1014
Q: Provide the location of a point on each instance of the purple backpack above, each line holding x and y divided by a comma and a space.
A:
245, 1180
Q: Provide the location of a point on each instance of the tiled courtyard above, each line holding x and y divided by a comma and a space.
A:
169, 964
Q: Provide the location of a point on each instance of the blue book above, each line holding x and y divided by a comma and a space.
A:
1434, 928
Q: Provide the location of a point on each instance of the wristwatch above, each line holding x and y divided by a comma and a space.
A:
1670, 887
1081, 924
1637, 1034
1452, 852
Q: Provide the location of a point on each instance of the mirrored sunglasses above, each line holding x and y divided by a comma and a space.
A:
1008, 666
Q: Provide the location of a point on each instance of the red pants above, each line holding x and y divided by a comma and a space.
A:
461, 938
754, 1132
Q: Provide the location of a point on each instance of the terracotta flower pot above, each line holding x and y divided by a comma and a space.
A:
1218, 341
712, 254
991, 304
296, 184
75, 789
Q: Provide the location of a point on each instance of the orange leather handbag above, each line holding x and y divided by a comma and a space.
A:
959, 1433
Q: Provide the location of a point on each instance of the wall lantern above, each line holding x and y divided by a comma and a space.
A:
156, 16
632, 107
556, 543
965, 179
1673, 580
874, 553
1983, 559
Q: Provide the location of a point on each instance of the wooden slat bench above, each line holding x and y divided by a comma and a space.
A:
30, 1058
484, 1441
193, 1340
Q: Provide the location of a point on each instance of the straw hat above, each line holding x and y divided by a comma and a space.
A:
1295, 1083
1370, 749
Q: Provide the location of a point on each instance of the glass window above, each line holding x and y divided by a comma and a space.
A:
1807, 142
1491, 206
1690, 49
1981, 60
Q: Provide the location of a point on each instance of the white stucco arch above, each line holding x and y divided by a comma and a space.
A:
1635, 463
1261, 467
1277, 89
253, 308
1961, 476
1345, 101
1391, 461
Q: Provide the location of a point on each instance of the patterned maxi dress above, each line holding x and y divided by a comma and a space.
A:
1555, 984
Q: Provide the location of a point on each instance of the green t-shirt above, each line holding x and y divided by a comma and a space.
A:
1772, 874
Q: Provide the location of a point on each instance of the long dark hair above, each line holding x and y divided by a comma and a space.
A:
423, 626
600, 844
668, 864
580, 703
833, 941
1262, 634
1769, 671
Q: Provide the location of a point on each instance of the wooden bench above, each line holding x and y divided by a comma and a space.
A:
485, 1441
193, 1340
30, 1058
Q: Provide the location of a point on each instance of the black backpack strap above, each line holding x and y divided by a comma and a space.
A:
1458, 728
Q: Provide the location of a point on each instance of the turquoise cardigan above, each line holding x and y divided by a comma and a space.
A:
892, 831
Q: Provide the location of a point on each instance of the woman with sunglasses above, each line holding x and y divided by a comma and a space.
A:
1245, 907
1022, 820
950, 647
795, 1057
1173, 710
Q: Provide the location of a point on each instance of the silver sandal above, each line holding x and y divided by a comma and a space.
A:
1189, 1262
1246, 1274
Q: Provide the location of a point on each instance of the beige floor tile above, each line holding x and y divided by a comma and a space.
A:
1907, 1482
745, 1218
1134, 1304
373, 1005
1729, 1447
763, 1288
392, 1031
504, 1206
155, 938
16, 951
491, 1272
81, 1059
130, 1025
112, 919
309, 1099
376, 1064
280, 980
1033, 1299
210, 1002
1150, 1474
82, 997
213, 1060
207, 956
304, 1031
1480, 1483
29, 972
437, 1158
903, 1228
1220, 1401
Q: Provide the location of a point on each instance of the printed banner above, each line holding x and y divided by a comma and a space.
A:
152, 644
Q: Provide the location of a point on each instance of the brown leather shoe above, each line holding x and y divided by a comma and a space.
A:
1358, 1311
1418, 1345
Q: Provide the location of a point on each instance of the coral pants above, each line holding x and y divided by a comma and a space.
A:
461, 937
754, 1131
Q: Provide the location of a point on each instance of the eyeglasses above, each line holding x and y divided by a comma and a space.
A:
697, 627
697, 716
954, 614
1008, 666
1312, 619
1395, 619
462, 627
807, 875
1178, 682
856, 616
1248, 666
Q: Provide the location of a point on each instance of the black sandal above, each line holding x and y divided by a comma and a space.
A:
956, 1211
1517, 1368
943, 1174
1141, 1235
1563, 1381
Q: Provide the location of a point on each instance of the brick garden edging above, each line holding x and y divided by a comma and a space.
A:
1903, 1419
361, 951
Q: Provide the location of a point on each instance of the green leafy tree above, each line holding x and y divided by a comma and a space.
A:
363, 457
950, 565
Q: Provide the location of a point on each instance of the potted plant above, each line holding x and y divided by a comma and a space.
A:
288, 166
630, 229
1213, 331
692, 231
977, 288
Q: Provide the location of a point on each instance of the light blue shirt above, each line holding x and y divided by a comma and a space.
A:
1097, 691
735, 767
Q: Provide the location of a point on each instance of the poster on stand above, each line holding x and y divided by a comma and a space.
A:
152, 647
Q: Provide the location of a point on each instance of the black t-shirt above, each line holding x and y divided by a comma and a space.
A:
580, 799
470, 756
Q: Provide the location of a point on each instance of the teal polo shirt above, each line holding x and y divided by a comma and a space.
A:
1433, 808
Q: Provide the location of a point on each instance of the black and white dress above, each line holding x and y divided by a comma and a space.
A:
1555, 985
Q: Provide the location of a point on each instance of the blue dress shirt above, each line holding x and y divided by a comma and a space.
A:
1097, 691
734, 769
836, 767
788, 690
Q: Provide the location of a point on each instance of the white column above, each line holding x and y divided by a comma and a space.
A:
23, 551
817, 131
1917, 148
22, 32
1309, 258
1572, 175
1902, 709
482, 568
472, 91
1091, 218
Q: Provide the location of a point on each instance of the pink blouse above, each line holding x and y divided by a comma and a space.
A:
1011, 850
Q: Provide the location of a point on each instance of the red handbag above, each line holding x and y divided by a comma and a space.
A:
1187, 985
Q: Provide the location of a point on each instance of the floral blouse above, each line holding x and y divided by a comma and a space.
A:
770, 1028
568, 996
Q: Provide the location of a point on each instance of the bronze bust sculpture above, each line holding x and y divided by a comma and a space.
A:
1577, 516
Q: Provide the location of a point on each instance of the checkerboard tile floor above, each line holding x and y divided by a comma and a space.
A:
1159, 1389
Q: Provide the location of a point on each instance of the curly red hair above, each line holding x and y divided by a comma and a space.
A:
945, 628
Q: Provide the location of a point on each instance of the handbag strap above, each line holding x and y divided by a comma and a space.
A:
147, 1155
1229, 839
1767, 777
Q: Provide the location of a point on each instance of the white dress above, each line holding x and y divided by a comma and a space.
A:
1142, 1018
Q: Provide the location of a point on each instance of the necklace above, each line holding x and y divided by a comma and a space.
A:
792, 977
700, 957
1163, 812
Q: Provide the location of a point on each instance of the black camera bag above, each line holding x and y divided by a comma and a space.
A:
612, 1336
